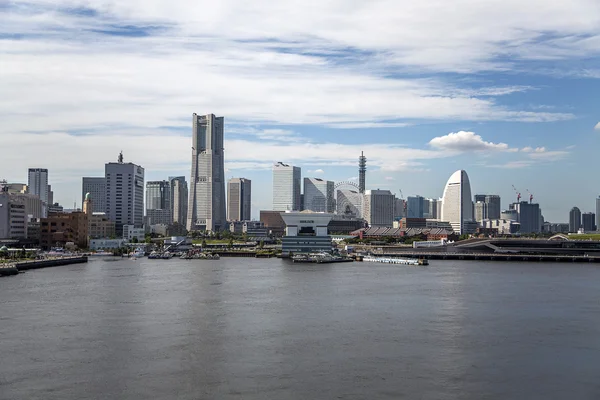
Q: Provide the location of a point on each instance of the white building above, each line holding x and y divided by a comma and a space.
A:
13, 217
99, 244
124, 194
286, 187
504, 226
457, 206
206, 207
319, 195
96, 187
349, 202
378, 208
305, 232
130, 232
239, 199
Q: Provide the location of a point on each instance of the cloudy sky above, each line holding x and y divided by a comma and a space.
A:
505, 89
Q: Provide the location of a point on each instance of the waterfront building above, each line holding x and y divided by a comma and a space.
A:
99, 226
38, 184
305, 232
13, 216
349, 203
34, 207
179, 200
106, 244
58, 230
555, 227
158, 203
407, 223
239, 199
286, 187
457, 207
131, 231
574, 219
529, 216
273, 221
344, 224
319, 195
414, 207
124, 193
206, 206
588, 221
378, 208
96, 187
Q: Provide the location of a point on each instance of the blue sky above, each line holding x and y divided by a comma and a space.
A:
506, 90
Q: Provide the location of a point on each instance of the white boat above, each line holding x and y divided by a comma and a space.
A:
390, 260
138, 253
166, 255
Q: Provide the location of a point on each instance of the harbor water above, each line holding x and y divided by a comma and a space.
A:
241, 328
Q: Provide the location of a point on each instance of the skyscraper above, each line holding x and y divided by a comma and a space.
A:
206, 207
124, 194
319, 195
414, 207
457, 206
179, 199
38, 183
239, 199
588, 220
286, 187
574, 219
528, 215
378, 207
493, 206
96, 187
158, 203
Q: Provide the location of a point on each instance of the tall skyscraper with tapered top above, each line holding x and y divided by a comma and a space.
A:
206, 206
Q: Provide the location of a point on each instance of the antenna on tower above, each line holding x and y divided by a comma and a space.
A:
362, 171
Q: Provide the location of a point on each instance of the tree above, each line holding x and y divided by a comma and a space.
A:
203, 243
134, 239
148, 239
230, 245
261, 245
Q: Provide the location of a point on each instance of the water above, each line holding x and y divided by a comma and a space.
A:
268, 329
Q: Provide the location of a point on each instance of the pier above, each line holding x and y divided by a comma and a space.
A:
433, 255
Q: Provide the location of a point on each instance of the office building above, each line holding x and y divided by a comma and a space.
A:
34, 207
158, 203
286, 187
60, 230
481, 211
239, 199
15, 188
349, 202
206, 206
430, 208
319, 195
96, 187
598, 213
124, 193
399, 209
528, 216
99, 226
38, 183
414, 207
305, 232
500, 226
588, 221
378, 208
13, 217
574, 219
487, 207
50, 195
273, 222
179, 200
457, 206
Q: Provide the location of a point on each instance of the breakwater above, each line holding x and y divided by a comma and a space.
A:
493, 256
8, 269
51, 262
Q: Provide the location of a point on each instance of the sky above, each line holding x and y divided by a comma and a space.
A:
504, 89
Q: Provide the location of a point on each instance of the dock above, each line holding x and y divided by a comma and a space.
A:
435, 255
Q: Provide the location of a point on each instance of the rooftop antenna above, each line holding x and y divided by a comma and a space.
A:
362, 170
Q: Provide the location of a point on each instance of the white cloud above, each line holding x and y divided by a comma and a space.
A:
316, 171
513, 164
465, 141
597, 127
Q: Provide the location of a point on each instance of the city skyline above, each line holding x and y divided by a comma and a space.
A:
508, 94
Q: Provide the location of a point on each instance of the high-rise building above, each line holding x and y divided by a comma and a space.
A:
179, 200
481, 211
319, 195
588, 221
239, 199
286, 187
574, 219
158, 203
378, 208
598, 213
399, 209
50, 195
206, 207
96, 187
457, 206
124, 193
489, 208
349, 202
13, 217
414, 207
528, 215
38, 184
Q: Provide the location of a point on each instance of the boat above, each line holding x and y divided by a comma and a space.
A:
138, 253
154, 255
391, 260
166, 255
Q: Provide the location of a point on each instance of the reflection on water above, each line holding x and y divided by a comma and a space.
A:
257, 329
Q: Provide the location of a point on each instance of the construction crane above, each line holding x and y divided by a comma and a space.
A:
530, 196
403, 201
518, 193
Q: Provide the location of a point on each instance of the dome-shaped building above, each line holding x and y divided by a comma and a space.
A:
457, 206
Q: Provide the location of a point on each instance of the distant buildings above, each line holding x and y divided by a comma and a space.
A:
414, 207
96, 187
529, 216
179, 200
378, 208
588, 221
58, 230
13, 217
273, 221
38, 184
124, 193
286, 187
206, 206
500, 226
239, 199
305, 232
574, 219
487, 207
99, 226
319, 195
349, 203
598, 213
457, 206
158, 203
